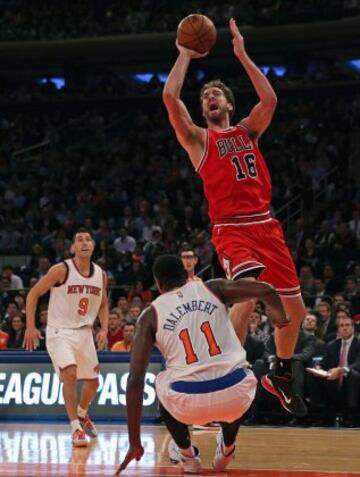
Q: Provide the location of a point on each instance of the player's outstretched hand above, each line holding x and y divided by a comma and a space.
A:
101, 340
135, 452
192, 54
238, 39
31, 339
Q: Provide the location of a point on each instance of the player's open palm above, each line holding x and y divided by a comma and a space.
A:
238, 39
192, 54
31, 339
134, 452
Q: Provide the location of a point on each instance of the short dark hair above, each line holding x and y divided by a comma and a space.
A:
229, 95
186, 247
81, 230
169, 271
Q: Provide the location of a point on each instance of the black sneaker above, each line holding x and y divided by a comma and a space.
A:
282, 389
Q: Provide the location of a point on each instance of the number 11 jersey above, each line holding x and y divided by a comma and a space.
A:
195, 334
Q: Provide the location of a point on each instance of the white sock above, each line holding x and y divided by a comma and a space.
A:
81, 412
75, 424
189, 452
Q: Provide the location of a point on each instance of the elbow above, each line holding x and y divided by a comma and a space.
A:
272, 101
168, 98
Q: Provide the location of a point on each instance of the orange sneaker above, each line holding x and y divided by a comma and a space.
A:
88, 426
80, 439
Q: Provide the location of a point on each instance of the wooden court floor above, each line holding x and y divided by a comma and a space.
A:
45, 450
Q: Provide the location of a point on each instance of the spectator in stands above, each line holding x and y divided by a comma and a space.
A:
351, 293
43, 266
134, 312
116, 332
189, 260
306, 279
354, 224
125, 344
332, 283
123, 305
341, 389
124, 243
312, 325
20, 300
16, 332
328, 323
139, 290
319, 292
254, 326
16, 282
5, 291
12, 310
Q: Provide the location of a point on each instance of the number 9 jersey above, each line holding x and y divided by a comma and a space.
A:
76, 302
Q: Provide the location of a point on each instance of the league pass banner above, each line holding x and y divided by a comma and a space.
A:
34, 389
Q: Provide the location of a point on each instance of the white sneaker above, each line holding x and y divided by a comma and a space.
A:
221, 461
190, 465
80, 439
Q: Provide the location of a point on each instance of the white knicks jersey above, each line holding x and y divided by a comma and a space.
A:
77, 301
195, 334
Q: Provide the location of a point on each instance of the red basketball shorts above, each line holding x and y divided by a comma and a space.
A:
259, 247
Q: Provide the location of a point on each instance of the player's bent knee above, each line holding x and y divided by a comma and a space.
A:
68, 375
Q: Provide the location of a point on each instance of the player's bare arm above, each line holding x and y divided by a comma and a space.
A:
262, 113
239, 291
143, 343
56, 275
191, 137
101, 337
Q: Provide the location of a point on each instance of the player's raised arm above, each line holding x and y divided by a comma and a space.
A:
238, 291
191, 137
262, 113
143, 343
55, 275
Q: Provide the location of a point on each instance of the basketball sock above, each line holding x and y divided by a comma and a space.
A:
283, 367
75, 424
81, 412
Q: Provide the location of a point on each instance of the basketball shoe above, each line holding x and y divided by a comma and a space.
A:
88, 426
221, 461
80, 439
282, 388
190, 465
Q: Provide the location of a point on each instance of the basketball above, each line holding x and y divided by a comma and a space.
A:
197, 32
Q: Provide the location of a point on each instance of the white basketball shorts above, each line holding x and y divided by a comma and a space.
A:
216, 400
73, 346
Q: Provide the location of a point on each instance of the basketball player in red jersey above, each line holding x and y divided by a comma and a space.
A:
237, 185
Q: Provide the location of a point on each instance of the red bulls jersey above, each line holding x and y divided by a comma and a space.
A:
237, 182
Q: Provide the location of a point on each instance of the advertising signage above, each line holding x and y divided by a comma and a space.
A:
32, 389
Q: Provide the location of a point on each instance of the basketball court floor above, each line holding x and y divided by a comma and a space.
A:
36, 450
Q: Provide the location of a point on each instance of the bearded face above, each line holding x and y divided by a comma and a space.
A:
215, 105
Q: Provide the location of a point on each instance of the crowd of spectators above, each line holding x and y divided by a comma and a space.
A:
32, 20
